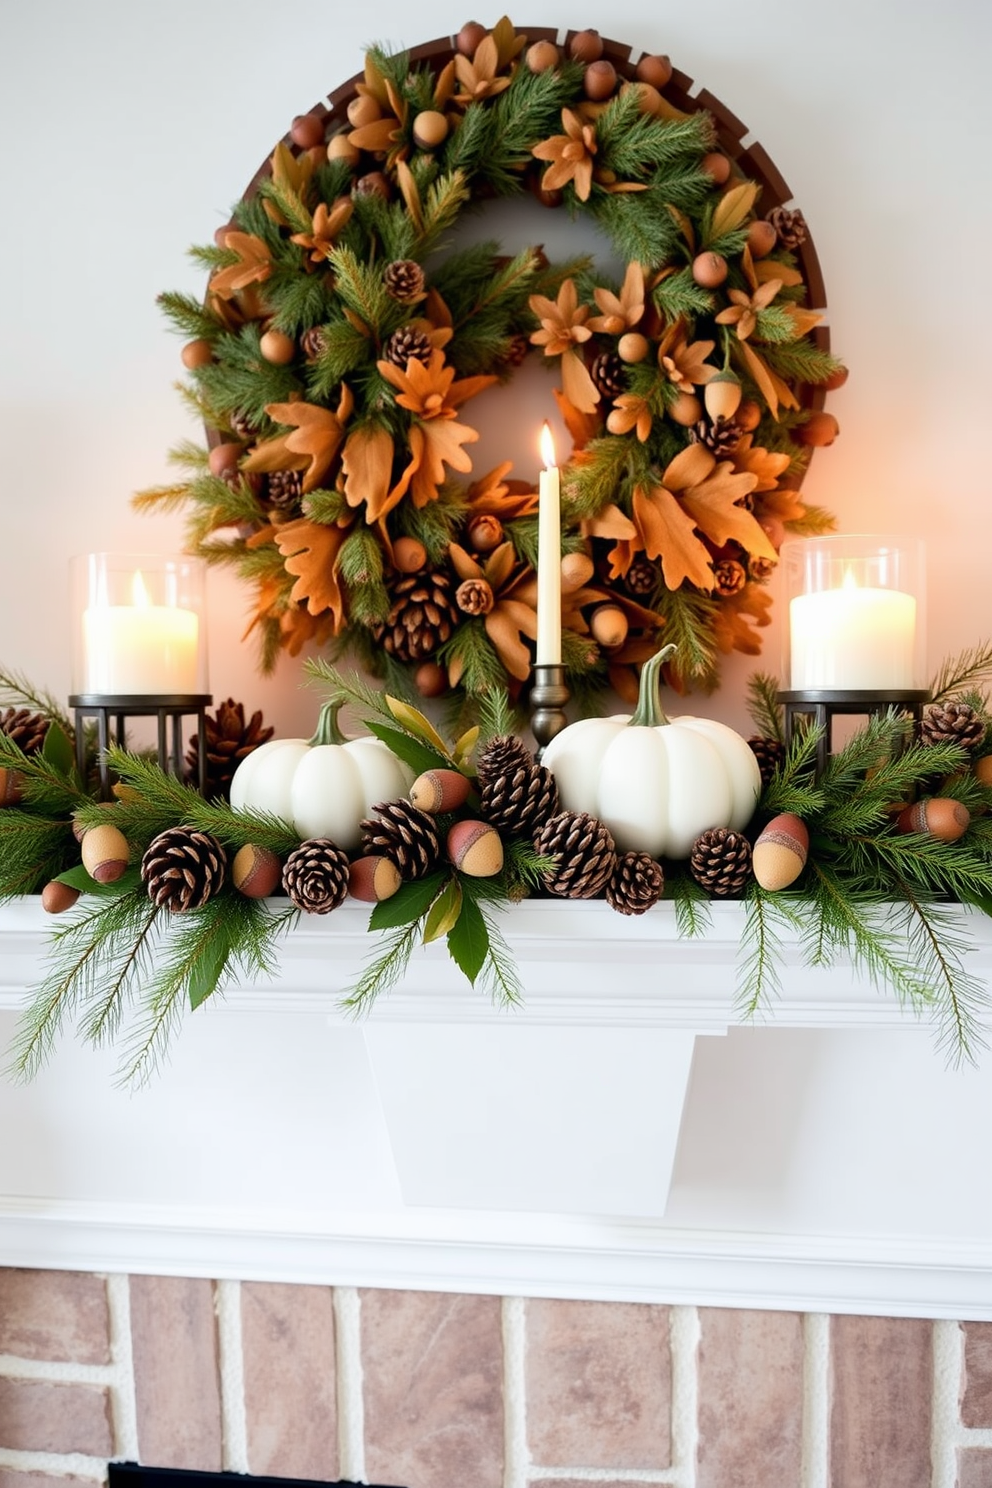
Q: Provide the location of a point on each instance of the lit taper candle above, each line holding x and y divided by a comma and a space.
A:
549, 557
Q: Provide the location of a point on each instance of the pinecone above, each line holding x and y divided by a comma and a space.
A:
26, 729
404, 281
242, 425
641, 577
638, 882
422, 617
516, 352
183, 868
729, 577
405, 835
720, 861
474, 597
760, 568
721, 436
515, 793
405, 343
315, 876
585, 851
952, 723
229, 741
790, 226
609, 375
285, 489
314, 343
769, 753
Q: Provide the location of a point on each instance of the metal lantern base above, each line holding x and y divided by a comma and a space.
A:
111, 712
819, 707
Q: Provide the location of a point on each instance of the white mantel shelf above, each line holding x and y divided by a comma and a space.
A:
615, 1136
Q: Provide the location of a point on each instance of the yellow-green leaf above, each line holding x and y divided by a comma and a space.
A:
465, 745
412, 719
732, 208
444, 911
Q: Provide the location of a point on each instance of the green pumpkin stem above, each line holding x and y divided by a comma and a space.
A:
327, 731
649, 713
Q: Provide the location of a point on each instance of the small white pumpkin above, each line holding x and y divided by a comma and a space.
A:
655, 782
322, 786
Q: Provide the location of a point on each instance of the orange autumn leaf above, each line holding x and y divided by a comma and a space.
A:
311, 551
669, 534
253, 266
317, 436
433, 445
736, 618
367, 463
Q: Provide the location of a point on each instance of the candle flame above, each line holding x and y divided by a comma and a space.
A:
139, 593
547, 446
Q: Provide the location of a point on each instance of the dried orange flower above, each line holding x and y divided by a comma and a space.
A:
623, 311
571, 155
327, 223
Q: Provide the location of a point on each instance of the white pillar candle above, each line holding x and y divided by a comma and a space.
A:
853, 639
141, 649
549, 557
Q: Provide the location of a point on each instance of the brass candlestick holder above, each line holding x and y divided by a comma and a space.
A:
548, 696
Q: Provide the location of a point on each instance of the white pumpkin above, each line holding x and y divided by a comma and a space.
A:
322, 786
655, 782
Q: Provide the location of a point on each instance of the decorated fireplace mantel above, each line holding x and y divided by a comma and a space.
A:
618, 1135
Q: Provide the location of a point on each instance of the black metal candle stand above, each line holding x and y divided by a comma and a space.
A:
817, 708
111, 712
549, 694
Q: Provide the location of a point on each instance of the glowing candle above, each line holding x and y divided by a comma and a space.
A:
140, 649
853, 638
549, 557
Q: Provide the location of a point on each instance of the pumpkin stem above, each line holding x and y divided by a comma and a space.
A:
327, 731
649, 713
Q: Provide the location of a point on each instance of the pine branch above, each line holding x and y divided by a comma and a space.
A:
761, 949
764, 707
968, 668
688, 616
386, 968
693, 917
18, 692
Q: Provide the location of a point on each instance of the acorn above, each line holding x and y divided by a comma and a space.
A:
633, 347
686, 410
609, 626
717, 166
256, 871
780, 852
484, 532
649, 100
57, 897
475, 848
542, 56
373, 183
307, 131
600, 80
409, 554
819, 429
748, 415
430, 129
586, 46
11, 783
430, 679
576, 569
341, 148
362, 110
761, 238
836, 379
105, 853
223, 459
722, 395
656, 70
197, 353
373, 878
982, 770
277, 348
935, 816
709, 269
440, 790
469, 37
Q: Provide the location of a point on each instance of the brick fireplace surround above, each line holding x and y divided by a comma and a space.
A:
437, 1390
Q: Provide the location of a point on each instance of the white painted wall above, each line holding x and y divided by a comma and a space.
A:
129, 129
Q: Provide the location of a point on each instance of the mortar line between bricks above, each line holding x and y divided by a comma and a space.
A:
124, 1404
516, 1456
633, 1475
54, 1464
350, 1383
815, 1470
684, 1335
57, 1371
231, 1362
948, 1362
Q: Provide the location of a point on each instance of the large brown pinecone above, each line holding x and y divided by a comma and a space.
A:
609, 375
585, 851
285, 489
720, 861
26, 729
404, 834
229, 740
183, 868
404, 280
769, 753
641, 577
790, 226
637, 883
315, 876
952, 723
423, 615
721, 436
520, 796
405, 343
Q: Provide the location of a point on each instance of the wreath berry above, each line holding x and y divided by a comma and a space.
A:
338, 350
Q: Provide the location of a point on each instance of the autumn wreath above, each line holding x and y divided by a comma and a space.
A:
339, 345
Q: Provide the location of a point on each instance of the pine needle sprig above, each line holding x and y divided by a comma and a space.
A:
766, 711
496, 716
859, 925
761, 951
693, 916
970, 667
387, 967
688, 615
937, 950
792, 787
18, 692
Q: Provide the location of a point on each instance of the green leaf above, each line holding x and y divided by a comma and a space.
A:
208, 967
444, 911
78, 878
57, 750
468, 940
410, 901
414, 721
418, 756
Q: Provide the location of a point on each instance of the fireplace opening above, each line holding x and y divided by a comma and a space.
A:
132, 1475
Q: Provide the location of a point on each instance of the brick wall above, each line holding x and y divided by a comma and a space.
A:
431, 1390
